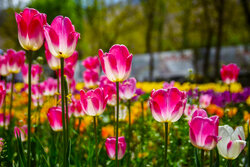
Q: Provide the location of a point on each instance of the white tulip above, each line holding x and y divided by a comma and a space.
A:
232, 142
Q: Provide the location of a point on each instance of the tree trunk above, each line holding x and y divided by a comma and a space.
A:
220, 10
245, 5
162, 15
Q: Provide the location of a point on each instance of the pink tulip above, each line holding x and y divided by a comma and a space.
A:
167, 85
90, 78
205, 100
189, 110
72, 86
203, 131
3, 66
2, 95
110, 91
36, 71
93, 102
1, 144
72, 60
110, 145
7, 120
55, 118
167, 105
30, 28
76, 108
91, 63
37, 94
127, 89
53, 62
22, 132
50, 87
229, 73
105, 81
69, 73
117, 63
61, 37
15, 60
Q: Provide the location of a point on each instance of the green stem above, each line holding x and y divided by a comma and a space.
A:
217, 162
129, 131
202, 158
58, 89
229, 163
114, 119
211, 158
96, 144
11, 97
29, 108
197, 162
142, 134
117, 123
166, 144
66, 106
63, 113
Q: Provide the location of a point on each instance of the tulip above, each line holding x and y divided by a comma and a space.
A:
232, 142
110, 146
6, 122
2, 95
30, 28
50, 87
138, 93
116, 64
189, 110
167, 105
105, 81
205, 100
37, 92
167, 85
93, 102
110, 91
55, 118
68, 72
91, 63
3, 66
61, 37
127, 89
229, 73
53, 62
36, 71
21, 132
72, 60
90, 78
15, 60
203, 131
76, 108
123, 110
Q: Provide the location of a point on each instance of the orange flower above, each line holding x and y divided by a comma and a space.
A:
246, 116
107, 131
214, 109
232, 112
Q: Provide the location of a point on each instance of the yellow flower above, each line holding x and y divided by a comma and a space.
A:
248, 101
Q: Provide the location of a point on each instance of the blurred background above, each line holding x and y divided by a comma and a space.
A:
170, 39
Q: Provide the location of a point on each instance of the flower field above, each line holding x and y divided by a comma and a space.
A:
111, 119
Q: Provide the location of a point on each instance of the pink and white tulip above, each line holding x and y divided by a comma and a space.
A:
3, 66
30, 28
21, 132
116, 64
37, 94
50, 87
7, 120
93, 102
110, 91
36, 71
55, 118
110, 145
229, 73
205, 100
76, 108
15, 60
53, 62
232, 142
2, 94
91, 63
167, 105
90, 79
127, 89
189, 110
203, 131
72, 60
61, 37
